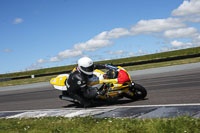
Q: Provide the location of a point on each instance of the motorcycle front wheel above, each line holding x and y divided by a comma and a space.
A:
139, 92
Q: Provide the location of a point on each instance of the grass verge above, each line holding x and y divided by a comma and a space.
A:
100, 125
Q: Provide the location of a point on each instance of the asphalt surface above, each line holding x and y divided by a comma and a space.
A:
177, 86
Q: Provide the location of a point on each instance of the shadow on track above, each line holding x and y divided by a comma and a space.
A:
101, 103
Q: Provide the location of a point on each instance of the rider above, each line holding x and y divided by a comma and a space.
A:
77, 81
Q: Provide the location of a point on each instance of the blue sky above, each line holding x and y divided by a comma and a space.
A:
38, 34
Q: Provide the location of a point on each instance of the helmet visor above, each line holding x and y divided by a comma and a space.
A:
88, 69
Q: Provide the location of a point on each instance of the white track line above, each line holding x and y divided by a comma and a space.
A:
110, 107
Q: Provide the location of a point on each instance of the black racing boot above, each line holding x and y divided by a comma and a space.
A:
83, 101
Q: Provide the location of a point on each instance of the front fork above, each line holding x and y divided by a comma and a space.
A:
131, 89
131, 85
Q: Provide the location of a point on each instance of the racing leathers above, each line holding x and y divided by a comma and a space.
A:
78, 88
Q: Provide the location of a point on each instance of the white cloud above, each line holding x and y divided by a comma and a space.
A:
156, 25
178, 44
165, 49
118, 32
37, 65
66, 54
101, 40
196, 40
102, 36
18, 21
7, 50
54, 59
92, 45
195, 19
198, 37
142, 52
131, 53
181, 33
34, 66
117, 52
69, 53
40, 61
113, 34
187, 8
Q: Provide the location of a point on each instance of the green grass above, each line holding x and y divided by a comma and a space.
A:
100, 125
117, 61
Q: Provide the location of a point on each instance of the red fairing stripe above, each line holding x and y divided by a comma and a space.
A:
123, 77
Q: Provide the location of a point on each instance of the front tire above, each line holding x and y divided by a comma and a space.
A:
139, 92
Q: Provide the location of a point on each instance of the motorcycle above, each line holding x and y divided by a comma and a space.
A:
112, 90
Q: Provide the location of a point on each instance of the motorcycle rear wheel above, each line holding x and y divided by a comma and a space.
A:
138, 91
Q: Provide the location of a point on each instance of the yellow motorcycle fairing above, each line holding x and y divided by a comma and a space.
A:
59, 81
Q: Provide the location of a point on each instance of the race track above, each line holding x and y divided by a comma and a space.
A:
170, 87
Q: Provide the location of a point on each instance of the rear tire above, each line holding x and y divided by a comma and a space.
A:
138, 91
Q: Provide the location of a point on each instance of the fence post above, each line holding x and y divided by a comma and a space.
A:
32, 76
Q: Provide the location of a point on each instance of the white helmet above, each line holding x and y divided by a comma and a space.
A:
86, 65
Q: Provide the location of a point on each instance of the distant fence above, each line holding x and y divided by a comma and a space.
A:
123, 65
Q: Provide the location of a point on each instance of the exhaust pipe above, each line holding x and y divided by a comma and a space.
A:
62, 97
